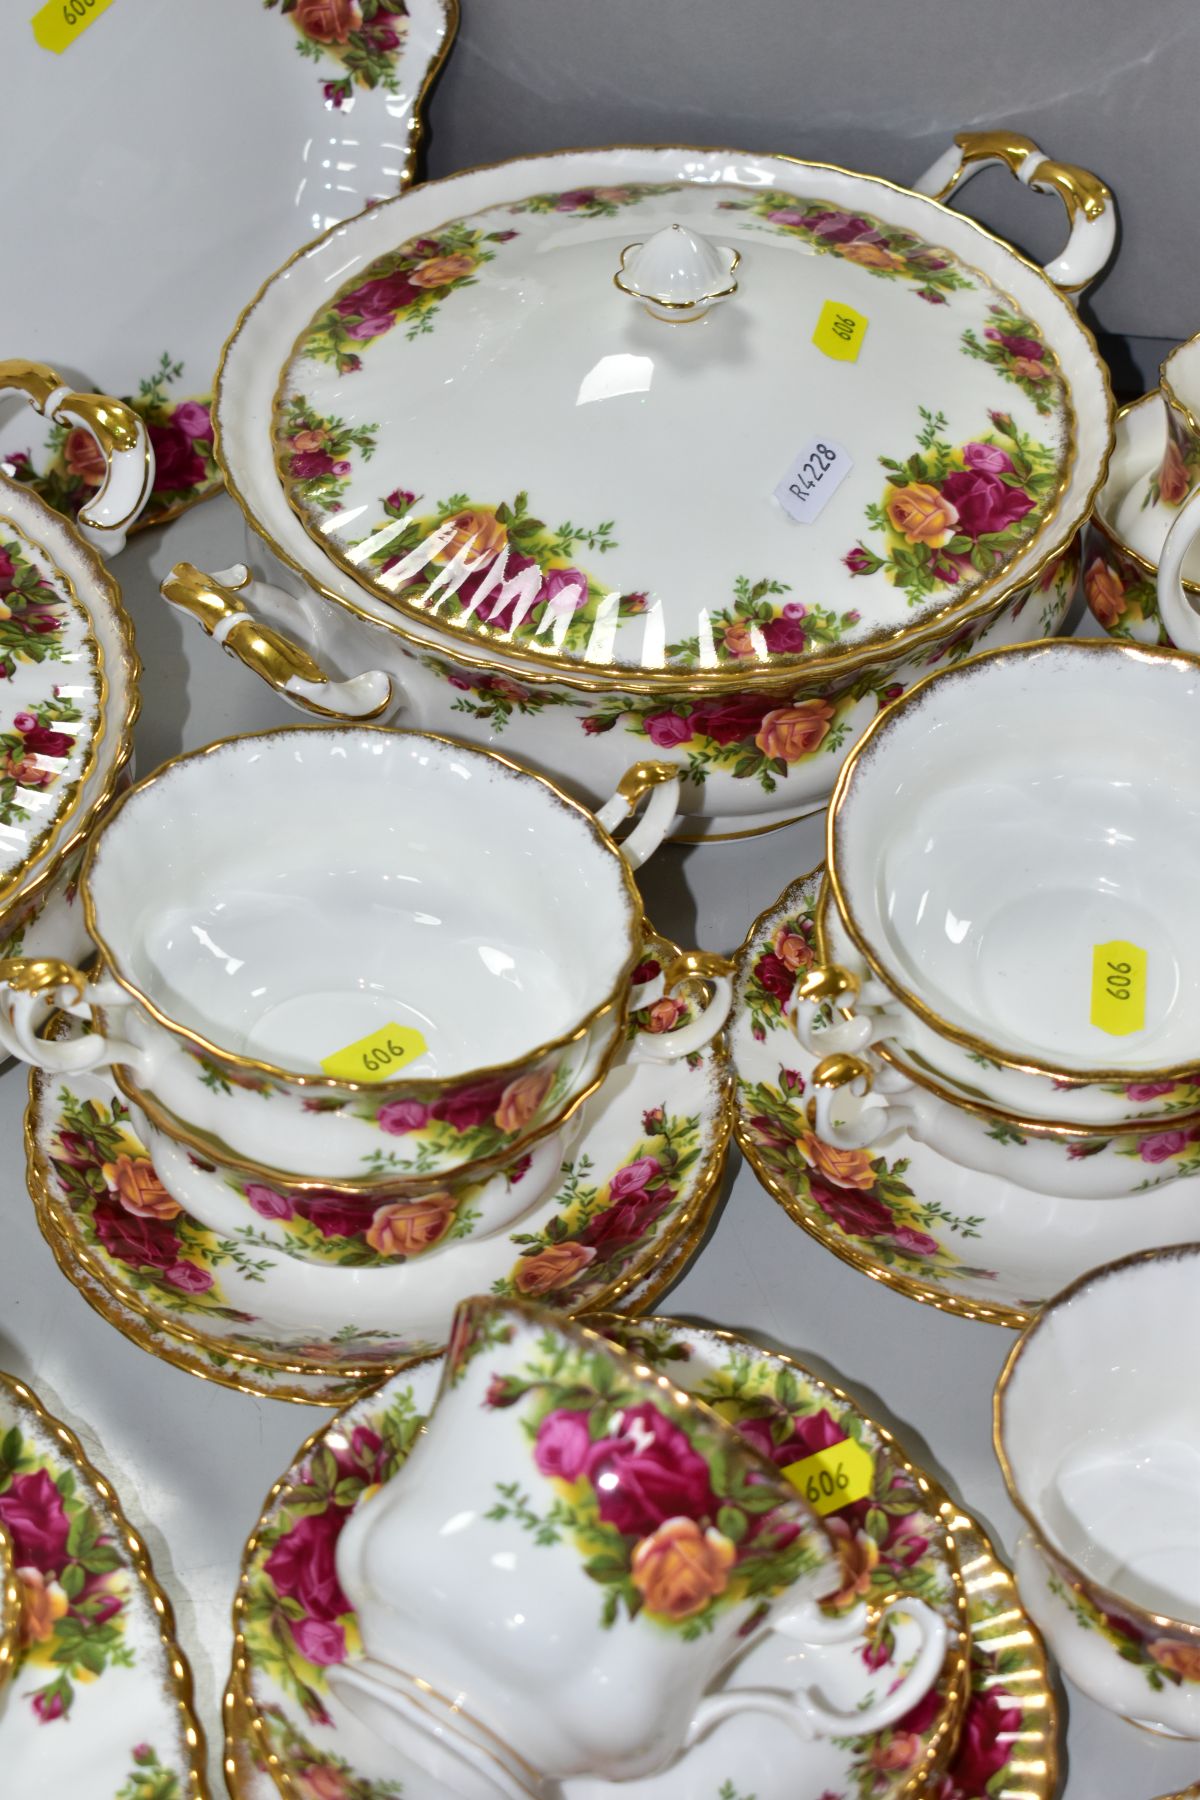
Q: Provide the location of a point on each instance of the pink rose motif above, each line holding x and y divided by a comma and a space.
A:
49, 1705
647, 1473
42, 741
267, 1203
916, 1243
176, 462
1161, 1146
503, 613
25, 722
33, 1511
564, 591
860, 561
841, 227
319, 1640
667, 729
372, 326
401, 1116
635, 1176
987, 458
399, 500
575, 200
786, 215
1148, 1090
983, 502
106, 1606
194, 420
563, 1443
303, 1565
188, 1277
1017, 346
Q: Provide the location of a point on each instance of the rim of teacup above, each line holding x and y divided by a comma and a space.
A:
108, 963
1084, 1583
882, 722
931, 1491
1168, 389
1102, 514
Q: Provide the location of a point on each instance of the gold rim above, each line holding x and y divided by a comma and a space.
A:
1083, 1584
637, 1287
131, 669
735, 837
240, 1700
1102, 525
1169, 391
658, 681
178, 1672
10, 1607
1014, 1318
615, 1001
879, 725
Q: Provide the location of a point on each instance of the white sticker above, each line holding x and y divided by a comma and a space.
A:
815, 475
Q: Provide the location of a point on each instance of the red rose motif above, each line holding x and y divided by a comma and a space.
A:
620, 1226
306, 465
33, 1511
857, 1214
784, 636
468, 1106
1161, 1146
808, 1435
303, 1564
730, 721
648, 1473
840, 227
335, 1215
1148, 1090
990, 1730
42, 741
773, 974
49, 1705
137, 1242
176, 462
983, 502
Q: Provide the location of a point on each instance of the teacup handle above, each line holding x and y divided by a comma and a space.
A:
1176, 611
668, 1046
808, 1715
119, 434
1091, 209
864, 1127
658, 784
219, 603
31, 987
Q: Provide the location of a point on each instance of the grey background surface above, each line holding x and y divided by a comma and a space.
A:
874, 85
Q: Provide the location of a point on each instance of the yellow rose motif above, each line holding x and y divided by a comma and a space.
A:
43, 1603
554, 1267
794, 952
138, 1188
440, 271
522, 1098
737, 639
791, 732
858, 1555
1178, 1659
845, 1168
921, 515
1105, 592
405, 1228
680, 1568
480, 534
872, 256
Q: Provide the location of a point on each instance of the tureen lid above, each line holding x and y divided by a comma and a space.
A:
52, 690
694, 423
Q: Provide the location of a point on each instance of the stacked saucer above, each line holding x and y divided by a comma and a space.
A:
279, 1154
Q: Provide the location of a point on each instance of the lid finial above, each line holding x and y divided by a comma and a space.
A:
678, 274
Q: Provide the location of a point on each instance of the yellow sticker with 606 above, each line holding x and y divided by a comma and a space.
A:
1118, 987
840, 331
57, 25
832, 1477
378, 1056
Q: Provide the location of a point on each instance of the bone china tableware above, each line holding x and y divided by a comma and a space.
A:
1151, 504
588, 1647
614, 589
99, 1702
68, 700
232, 937
320, 100
1015, 877
1120, 584
632, 1203
1098, 1436
971, 1243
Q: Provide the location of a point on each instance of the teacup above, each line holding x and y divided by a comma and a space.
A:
569, 1558
1098, 1434
1119, 583
1013, 860
1151, 505
359, 954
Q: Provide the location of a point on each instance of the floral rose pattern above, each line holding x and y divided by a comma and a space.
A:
150, 1778
953, 515
881, 249
181, 433
75, 1585
315, 453
592, 202
363, 38
1121, 592
1177, 474
1165, 1658
1013, 345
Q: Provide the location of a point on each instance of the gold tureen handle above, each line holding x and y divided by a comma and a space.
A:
119, 434
1091, 209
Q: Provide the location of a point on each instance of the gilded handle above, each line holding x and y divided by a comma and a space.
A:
216, 603
658, 784
30, 988
689, 966
1175, 609
118, 432
1090, 206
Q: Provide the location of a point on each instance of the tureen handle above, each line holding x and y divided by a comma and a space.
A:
1174, 608
30, 987
1091, 209
218, 602
117, 432
862, 1127
659, 1041
658, 780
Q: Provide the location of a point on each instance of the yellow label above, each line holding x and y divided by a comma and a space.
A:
1118, 988
840, 331
57, 25
378, 1056
833, 1477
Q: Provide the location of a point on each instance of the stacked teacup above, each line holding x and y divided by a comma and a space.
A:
1009, 966
357, 986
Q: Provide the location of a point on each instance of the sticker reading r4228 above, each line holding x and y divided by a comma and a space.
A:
812, 479
378, 1056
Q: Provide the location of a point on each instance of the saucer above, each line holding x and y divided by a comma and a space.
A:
99, 1705
635, 1198
967, 1242
292, 1624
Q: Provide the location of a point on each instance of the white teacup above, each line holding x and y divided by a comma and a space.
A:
1097, 1428
567, 1561
284, 918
